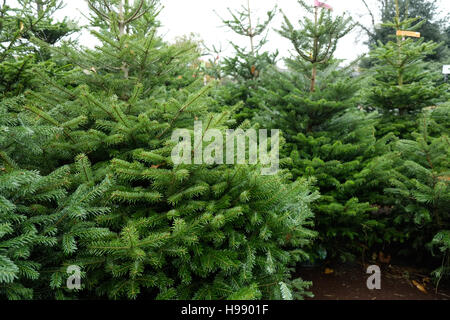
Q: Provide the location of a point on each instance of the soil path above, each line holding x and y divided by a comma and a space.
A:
349, 283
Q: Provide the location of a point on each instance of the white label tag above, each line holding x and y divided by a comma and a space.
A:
446, 69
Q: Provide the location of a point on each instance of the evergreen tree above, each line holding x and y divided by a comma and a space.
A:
88, 178
242, 72
428, 23
420, 187
247, 64
27, 197
32, 204
314, 103
312, 99
330, 137
18, 25
401, 84
171, 231
316, 41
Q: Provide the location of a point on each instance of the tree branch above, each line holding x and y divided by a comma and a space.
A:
97, 11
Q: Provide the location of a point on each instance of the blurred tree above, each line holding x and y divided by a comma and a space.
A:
429, 23
19, 25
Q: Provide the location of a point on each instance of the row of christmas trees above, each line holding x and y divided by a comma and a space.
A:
87, 179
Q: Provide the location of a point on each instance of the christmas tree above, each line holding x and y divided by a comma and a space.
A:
151, 227
19, 24
113, 179
420, 186
242, 72
27, 198
402, 85
315, 104
407, 94
432, 25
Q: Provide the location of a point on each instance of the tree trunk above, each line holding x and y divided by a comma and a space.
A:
125, 68
40, 6
313, 78
121, 19
250, 27
315, 53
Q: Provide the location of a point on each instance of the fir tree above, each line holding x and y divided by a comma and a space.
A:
317, 87
171, 231
247, 64
316, 41
427, 12
420, 185
402, 86
33, 205
314, 103
242, 72
19, 25
27, 197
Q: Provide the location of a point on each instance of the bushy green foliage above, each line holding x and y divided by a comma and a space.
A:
203, 233
87, 177
24, 200
19, 25
420, 183
315, 103
288, 103
410, 99
402, 83
136, 224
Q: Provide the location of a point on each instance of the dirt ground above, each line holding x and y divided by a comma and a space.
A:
349, 283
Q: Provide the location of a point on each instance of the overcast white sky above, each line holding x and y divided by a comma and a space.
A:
181, 17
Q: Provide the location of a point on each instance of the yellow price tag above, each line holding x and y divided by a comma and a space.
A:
408, 33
